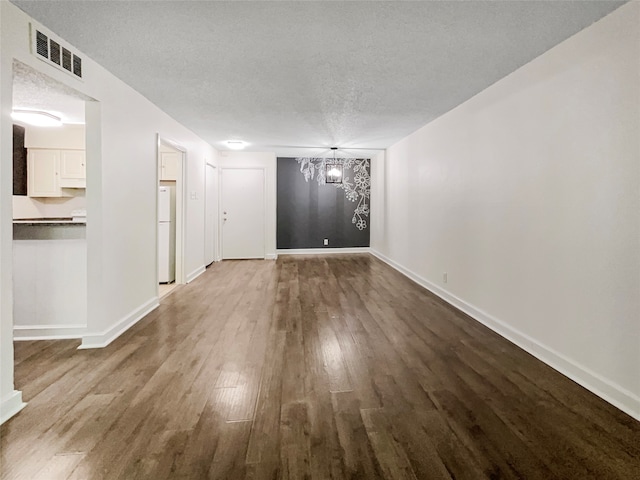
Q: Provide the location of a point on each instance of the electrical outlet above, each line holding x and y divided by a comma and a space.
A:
445, 277
326, 242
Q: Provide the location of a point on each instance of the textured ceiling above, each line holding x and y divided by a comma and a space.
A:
351, 74
33, 90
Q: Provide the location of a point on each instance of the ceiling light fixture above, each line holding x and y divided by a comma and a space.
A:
36, 118
333, 171
236, 144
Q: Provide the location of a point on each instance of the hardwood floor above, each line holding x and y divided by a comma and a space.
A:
307, 367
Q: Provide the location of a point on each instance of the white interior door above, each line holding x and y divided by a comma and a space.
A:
243, 210
209, 215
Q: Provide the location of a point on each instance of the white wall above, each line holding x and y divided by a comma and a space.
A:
70, 137
378, 178
58, 207
122, 129
266, 160
128, 220
528, 196
10, 399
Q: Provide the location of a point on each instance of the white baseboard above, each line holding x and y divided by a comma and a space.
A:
48, 332
104, 338
195, 274
616, 395
322, 251
271, 256
11, 405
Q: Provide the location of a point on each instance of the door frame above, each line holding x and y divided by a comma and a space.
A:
216, 209
220, 205
181, 204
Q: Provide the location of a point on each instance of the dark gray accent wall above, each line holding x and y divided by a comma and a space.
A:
309, 212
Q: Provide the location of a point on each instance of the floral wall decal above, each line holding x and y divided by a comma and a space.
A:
356, 182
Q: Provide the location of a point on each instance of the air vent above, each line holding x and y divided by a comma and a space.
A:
55, 54
42, 44
66, 59
77, 66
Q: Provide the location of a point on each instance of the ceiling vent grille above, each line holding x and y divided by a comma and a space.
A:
55, 54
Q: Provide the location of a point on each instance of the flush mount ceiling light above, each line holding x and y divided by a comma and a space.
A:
235, 144
36, 118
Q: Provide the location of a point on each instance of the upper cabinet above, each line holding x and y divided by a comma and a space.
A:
43, 179
55, 160
73, 171
50, 170
169, 164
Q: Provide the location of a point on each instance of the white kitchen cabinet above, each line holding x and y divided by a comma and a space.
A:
49, 171
43, 179
73, 169
169, 165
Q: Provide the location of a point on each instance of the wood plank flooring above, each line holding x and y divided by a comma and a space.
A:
307, 367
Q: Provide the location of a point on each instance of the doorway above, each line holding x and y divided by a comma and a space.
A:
49, 207
170, 214
243, 213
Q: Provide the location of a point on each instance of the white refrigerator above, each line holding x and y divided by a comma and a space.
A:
166, 234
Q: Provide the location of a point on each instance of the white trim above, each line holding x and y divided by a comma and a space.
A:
11, 405
48, 332
219, 229
196, 273
181, 219
168, 142
181, 206
609, 391
104, 338
322, 250
271, 256
265, 225
207, 201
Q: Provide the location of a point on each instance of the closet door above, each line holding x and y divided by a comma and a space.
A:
243, 212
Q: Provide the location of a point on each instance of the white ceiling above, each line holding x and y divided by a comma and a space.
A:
287, 74
33, 90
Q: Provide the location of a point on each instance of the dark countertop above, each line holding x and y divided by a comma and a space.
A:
48, 221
